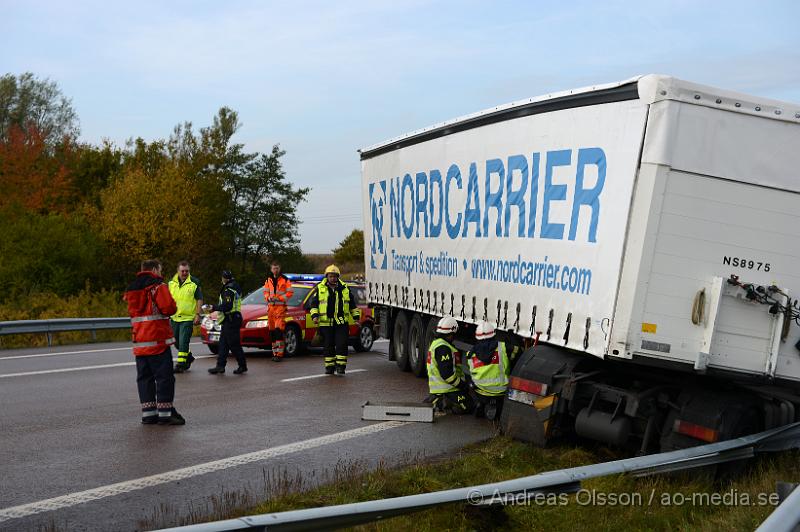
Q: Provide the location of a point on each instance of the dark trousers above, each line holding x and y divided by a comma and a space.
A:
335, 338
459, 402
488, 406
230, 341
156, 383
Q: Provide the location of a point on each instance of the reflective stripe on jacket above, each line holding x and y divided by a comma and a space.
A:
183, 294
278, 290
230, 301
437, 384
150, 305
490, 378
340, 303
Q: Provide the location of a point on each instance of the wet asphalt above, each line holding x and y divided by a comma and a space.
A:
68, 431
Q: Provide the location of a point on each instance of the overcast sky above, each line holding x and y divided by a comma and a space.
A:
326, 78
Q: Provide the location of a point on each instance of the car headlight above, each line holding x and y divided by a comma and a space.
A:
257, 324
209, 324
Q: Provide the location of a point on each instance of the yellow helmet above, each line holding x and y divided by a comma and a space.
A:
332, 269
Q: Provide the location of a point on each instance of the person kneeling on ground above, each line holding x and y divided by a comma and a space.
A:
489, 365
445, 375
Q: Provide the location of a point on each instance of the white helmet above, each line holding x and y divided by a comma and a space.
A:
447, 325
484, 331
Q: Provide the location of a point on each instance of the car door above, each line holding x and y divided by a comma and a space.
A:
310, 327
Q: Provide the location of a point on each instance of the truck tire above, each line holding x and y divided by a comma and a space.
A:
417, 355
399, 344
293, 340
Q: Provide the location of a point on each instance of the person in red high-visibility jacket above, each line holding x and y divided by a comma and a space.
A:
150, 305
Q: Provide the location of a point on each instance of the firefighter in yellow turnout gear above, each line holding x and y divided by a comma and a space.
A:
489, 363
188, 295
445, 375
331, 309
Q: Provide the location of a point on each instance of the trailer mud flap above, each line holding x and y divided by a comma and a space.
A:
528, 421
529, 413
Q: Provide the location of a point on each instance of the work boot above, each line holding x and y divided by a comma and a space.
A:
329, 370
240, 370
179, 368
217, 370
174, 419
340, 370
276, 359
150, 420
189, 361
491, 410
438, 403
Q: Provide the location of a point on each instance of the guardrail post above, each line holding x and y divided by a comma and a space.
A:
49, 339
94, 335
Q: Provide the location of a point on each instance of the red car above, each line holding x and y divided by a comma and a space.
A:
300, 329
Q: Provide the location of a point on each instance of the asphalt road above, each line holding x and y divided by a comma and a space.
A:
74, 456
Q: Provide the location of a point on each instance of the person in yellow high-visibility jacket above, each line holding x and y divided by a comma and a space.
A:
490, 362
331, 308
448, 388
187, 293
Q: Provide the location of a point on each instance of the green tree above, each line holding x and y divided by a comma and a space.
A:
351, 249
92, 168
28, 102
46, 252
263, 220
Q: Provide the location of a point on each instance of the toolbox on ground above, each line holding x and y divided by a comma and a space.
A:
422, 412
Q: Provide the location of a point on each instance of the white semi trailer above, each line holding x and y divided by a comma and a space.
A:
641, 237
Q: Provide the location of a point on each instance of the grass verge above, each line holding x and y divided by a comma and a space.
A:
667, 502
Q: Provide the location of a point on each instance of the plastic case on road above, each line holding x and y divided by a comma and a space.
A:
422, 412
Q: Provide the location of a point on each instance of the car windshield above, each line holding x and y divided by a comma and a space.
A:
256, 297
360, 293
299, 295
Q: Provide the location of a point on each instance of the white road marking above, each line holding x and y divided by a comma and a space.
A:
319, 375
14, 357
73, 499
82, 368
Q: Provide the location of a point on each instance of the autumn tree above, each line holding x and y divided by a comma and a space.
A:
34, 175
158, 215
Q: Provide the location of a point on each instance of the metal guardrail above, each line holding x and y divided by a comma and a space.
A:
786, 517
62, 325
564, 480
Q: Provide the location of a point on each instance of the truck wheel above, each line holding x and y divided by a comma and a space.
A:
214, 348
399, 343
365, 339
416, 343
293, 340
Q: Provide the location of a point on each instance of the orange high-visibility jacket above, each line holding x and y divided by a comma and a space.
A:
150, 305
279, 290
